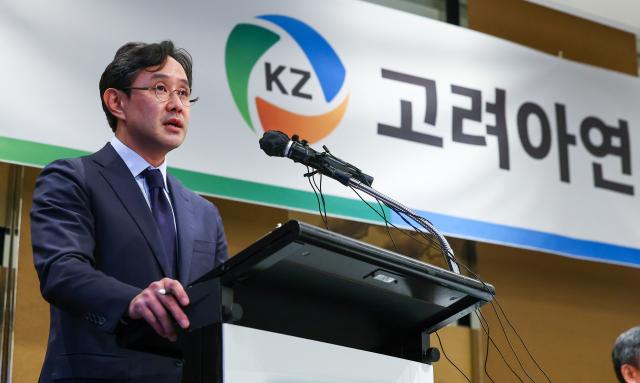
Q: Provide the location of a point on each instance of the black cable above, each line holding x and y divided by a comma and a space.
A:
504, 359
309, 175
382, 215
450, 361
322, 215
495, 298
493, 295
386, 224
324, 203
500, 322
450, 256
493, 306
431, 229
426, 244
424, 235
431, 243
491, 341
402, 214
521, 340
506, 337
486, 352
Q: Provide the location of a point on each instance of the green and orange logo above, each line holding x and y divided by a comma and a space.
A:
299, 98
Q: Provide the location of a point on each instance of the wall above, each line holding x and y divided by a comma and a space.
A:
568, 311
32, 312
556, 33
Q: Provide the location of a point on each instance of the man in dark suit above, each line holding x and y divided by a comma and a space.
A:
114, 237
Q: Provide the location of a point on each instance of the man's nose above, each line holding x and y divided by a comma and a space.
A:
174, 103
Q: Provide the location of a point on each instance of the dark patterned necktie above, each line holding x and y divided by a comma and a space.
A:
163, 214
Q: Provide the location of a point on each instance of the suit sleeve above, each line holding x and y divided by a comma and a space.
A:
222, 254
63, 239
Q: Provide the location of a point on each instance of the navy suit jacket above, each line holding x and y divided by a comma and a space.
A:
95, 247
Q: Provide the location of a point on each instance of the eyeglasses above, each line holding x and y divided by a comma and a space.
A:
163, 94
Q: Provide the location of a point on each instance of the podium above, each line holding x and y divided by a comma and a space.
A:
303, 304
302, 294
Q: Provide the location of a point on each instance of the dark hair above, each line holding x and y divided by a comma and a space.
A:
626, 350
133, 57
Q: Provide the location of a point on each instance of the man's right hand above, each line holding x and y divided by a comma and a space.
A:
158, 304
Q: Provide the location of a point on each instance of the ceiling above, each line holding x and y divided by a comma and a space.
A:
620, 14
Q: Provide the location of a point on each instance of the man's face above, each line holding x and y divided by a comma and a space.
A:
153, 127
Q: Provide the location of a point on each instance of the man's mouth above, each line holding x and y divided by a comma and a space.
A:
174, 122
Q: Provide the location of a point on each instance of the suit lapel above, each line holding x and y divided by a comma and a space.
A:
116, 173
185, 222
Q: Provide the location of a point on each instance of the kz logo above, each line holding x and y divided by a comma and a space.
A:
294, 78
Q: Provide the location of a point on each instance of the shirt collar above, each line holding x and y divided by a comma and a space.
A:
135, 163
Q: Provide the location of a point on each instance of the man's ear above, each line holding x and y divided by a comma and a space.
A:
115, 100
630, 373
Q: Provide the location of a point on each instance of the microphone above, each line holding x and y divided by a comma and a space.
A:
277, 144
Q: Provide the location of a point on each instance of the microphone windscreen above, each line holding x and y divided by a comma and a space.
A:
274, 143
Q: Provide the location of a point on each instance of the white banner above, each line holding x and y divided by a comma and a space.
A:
488, 139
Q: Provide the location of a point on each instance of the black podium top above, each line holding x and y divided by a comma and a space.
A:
308, 282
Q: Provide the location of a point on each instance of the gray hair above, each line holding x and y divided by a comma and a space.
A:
626, 350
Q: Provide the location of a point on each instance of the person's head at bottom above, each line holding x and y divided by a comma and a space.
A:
626, 356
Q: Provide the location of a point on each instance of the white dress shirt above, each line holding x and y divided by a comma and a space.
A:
136, 165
